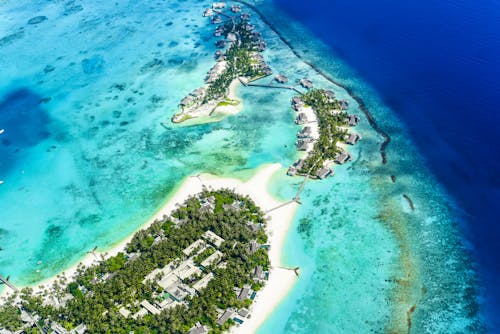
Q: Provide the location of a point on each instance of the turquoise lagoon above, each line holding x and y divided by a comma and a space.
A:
89, 154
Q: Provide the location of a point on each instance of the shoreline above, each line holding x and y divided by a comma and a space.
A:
280, 280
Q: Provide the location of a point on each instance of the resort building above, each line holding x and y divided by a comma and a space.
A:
218, 5
208, 12
330, 95
305, 132
352, 120
342, 158
352, 138
150, 308
198, 245
301, 118
216, 19
225, 317
258, 274
212, 259
254, 246
306, 83
302, 145
199, 329
202, 283
213, 238
245, 16
281, 78
324, 172
244, 293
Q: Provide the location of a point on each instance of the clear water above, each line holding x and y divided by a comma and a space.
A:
91, 164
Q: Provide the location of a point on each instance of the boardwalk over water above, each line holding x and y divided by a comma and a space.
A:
5, 281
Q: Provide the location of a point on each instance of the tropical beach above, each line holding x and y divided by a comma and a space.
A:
357, 231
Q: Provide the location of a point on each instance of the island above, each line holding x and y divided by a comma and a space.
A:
326, 125
241, 62
195, 271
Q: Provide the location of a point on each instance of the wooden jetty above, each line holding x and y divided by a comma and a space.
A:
5, 281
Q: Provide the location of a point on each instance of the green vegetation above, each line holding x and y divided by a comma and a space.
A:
241, 61
228, 102
98, 292
330, 132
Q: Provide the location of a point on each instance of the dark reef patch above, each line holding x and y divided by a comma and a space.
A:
48, 69
152, 65
37, 19
11, 38
92, 65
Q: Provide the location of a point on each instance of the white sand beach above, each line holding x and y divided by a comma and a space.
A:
280, 280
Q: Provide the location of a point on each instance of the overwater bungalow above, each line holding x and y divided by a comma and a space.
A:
297, 103
324, 172
330, 95
352, 120
236, 8
301, 145
218, 5
261, 46
281, 78
221, 43
245, 16
243, 312
216, 19
306, 83
352, 138
248, 27
219, 55
208, 12
342, 158
305, 132
231, 37
187, 101
344, 104
301, 118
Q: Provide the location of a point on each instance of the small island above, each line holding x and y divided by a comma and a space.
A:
240, 62
195, 271
326, 126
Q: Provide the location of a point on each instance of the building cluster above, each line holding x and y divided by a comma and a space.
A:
183, 278
44, 326
305, 136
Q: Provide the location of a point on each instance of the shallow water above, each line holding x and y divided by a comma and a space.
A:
87, 166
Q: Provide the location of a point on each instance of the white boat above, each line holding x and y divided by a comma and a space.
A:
1, 182
2, 131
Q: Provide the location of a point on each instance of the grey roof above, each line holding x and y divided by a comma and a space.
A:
352, 120
306, 83
323, 172
244, 312
244, 293
301, 145
254, 246
329, 94
224, 317
301, 118
342, 157
281, 78
257, 272
353, 138
199, 329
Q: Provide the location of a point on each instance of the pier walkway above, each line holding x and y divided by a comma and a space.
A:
5, 281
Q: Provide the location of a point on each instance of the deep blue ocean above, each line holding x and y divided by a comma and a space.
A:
437, 65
